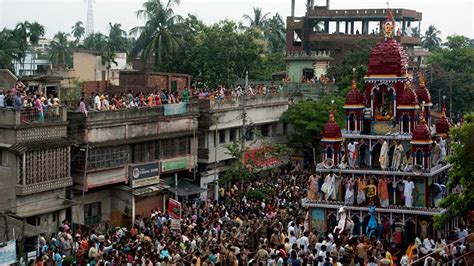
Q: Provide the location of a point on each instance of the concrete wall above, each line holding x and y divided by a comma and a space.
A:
104, 196
8, 180
86, 66
295, 69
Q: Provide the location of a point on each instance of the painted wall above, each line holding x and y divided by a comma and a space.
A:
295, 69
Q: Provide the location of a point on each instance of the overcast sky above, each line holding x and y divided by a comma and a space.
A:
449, 16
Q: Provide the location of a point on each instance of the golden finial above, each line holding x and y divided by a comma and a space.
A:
354, 84
422, 113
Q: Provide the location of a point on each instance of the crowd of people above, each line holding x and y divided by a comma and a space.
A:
238, 229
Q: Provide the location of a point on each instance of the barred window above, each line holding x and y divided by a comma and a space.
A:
143, 152
222, 136
232, 134
108, 157
92, 213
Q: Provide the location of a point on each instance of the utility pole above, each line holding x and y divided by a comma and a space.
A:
216, 179
244, 113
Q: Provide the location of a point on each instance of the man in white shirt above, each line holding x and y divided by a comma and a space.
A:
408, 192
304, 241
2, 100
97, 105
351, 148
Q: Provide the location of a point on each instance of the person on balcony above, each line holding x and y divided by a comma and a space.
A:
383, 192
397, 156
329, 187
407, 164
408, 188
361, 185
351, 148
436, 153
349, 195
384, 159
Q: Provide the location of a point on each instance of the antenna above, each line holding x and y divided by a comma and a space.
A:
90, 17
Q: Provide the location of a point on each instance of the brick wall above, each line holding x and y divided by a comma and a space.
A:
94, 86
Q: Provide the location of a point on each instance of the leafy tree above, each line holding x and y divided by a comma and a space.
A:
36, 31
60, 50
9, 48
431, 39
461, 174
457, 42
308, 118
456, 70
78, 31
160, 37
357, 58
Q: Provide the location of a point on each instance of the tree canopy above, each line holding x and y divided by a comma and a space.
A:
460, 198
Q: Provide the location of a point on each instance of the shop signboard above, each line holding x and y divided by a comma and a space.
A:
175, 109
144, 174
174, 164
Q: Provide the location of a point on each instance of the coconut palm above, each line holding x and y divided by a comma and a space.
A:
60, 50
161, 36
35, 32
258, 20
117, 38
274, 31
96, 42
78, 31
21, 35
431, 40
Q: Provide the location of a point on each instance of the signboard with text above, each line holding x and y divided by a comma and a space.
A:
144, 174
174, 164
174, 209
174, 109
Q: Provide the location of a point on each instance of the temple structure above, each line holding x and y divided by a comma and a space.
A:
386, 155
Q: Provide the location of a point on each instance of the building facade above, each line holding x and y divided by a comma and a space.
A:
35, 166
122, 158
323, 36
220, 124
388, 155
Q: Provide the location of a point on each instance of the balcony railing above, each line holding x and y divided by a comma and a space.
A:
31, 116
43, 186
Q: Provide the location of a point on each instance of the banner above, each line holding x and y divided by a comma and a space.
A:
174, 109
175, 224
174, 164
144, 174
8, 253
174, 209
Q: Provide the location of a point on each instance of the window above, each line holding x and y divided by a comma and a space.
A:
202, 141
92, 213
232, 134
108, 157
3, 158
249, 134
222, 136
143, 152
103, 75
264, 130
166, 148
175, 147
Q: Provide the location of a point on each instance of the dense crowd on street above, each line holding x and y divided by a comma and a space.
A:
238, 229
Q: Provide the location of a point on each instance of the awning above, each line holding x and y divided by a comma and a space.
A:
150, 189
18, 226
186, 188
36, 145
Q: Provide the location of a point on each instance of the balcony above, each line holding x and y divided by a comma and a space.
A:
353, 208
388, 172
375, 14
341, 37
32, 116
232, 103
22, 190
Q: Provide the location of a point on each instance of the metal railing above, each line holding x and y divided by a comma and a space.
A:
422, 259
34, 115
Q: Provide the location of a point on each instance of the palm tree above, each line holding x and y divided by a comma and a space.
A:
160, 37
117, 38
60, 51
21, 34
9, 49
96, 42
78, 31
431, 40
274, 31
258, 20
36, 31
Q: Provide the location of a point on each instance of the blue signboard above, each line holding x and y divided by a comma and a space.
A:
142, 171
8, 253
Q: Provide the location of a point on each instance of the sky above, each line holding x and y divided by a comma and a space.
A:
449, 16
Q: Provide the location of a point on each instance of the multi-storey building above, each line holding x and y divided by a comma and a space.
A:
387, 155
221, 123
325, 35
35, 166
122, 157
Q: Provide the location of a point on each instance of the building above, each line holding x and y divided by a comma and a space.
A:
220, 124
122, 158
32, 65
90, 66
387, 138
323, 36
35, 166
151, 81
